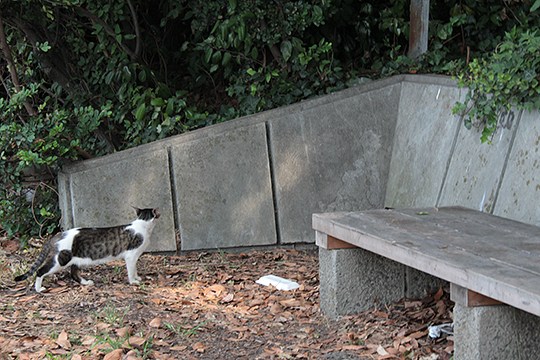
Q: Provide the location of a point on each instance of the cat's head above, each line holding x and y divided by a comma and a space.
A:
147, 214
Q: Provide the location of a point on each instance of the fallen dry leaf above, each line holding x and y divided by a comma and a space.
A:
290, 303
196, 306
381, 350
155, 323
122, 332
199, 347
136, 341
228, 298
438, 295
63, 340
114, 355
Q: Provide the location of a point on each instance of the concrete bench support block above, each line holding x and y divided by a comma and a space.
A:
495, 332
354, 280
420, 284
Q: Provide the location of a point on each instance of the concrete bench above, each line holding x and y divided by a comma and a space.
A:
492, 264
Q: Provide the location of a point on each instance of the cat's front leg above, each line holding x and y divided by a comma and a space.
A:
131, 266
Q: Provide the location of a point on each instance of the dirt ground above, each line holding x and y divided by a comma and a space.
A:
204, 306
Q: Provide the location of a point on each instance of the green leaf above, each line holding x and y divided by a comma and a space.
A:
216, 58
139, 113
142, 76
208, 55
170, 108
251, 72
286, 50
241, 30
157, 102
226, 58
44, 46
535, 6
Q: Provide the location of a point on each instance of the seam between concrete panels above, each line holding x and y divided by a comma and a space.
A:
506, 160
71, 210
396, 123
449, 160
393, 140
174, 197
272, 181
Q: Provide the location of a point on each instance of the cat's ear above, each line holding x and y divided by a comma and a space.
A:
156, 213
137, 210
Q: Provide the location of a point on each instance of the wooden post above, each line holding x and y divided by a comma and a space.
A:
469, 298
418, 37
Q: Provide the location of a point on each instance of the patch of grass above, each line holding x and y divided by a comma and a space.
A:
112, 315
112, 342
144, 351
51, 356
75, 340
143, 286
146, 348
183, 330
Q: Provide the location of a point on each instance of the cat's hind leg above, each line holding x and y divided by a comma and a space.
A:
76, 275
50, 267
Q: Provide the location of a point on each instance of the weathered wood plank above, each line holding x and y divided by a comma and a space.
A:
419, 24
498, 258
469, 298
331, 243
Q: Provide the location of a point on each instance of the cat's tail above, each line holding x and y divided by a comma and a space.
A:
39, 261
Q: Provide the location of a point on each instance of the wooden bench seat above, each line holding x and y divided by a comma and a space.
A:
487, 260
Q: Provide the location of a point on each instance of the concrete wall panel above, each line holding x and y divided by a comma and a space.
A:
476, 169
332, 157
519, 195
102, 192
423, 144
223, 189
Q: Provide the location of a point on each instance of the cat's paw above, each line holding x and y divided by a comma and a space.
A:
87, 282
138, 278
135, 282
40, 290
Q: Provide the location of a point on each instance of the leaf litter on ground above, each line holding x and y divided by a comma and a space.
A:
203, 305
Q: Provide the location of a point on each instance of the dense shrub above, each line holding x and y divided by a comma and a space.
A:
85, 78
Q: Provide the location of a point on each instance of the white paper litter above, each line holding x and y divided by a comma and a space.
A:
436, 331
278, 282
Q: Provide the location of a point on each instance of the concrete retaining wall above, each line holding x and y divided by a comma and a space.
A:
257, 180
436, 161
249, 182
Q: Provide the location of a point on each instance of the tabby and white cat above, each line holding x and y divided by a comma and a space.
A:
81, 247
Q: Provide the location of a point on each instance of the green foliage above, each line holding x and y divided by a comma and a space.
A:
83, 93
264, 56
507, 77
90, 78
